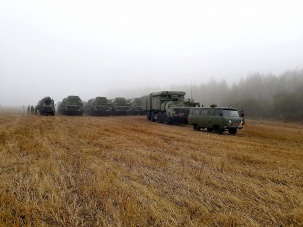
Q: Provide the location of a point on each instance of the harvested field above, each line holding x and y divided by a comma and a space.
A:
127, 171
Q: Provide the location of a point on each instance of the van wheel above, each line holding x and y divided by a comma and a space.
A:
196, 128
210, 129
232, 131
217, 129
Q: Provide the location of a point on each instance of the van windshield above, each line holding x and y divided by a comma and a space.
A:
230, 113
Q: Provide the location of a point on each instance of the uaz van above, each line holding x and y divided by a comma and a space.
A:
217, 119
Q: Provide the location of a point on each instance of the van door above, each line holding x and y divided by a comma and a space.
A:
210, 118
218, 119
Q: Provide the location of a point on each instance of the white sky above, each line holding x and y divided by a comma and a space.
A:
88, 48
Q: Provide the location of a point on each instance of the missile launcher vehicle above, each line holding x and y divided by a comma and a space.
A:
135, 107
98, 106
120, 106
46, 106
71, 105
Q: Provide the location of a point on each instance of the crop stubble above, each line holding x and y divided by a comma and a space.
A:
127, 171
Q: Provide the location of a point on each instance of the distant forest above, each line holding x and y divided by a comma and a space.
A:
258, 95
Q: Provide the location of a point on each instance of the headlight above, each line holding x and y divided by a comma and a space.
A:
229, 122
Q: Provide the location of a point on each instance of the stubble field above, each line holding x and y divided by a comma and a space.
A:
127, 171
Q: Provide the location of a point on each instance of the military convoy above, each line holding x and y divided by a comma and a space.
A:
167, 106
217, 119
71, 105
46, 106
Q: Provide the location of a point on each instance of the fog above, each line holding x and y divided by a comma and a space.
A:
113, 48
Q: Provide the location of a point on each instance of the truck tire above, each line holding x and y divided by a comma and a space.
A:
210, 129
167, 120
160, 118
196, 128
152, 117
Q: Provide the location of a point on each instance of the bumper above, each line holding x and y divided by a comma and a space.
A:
234, 127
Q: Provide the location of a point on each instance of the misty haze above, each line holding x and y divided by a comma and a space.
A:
117, 48
151, 113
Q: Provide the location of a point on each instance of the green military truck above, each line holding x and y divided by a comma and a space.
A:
71, 105
98, 106
166, 107
46, 106
120, 106
217, 119
135, 106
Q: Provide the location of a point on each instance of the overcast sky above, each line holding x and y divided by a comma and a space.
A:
89, 48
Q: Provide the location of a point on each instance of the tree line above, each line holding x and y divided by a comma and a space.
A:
258, 95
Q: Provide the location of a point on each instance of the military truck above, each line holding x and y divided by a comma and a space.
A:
166, 107
135, 107
71, 105
217, 119
46, 106
98, 106
119, 106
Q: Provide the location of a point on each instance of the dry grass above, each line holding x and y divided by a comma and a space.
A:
127, 171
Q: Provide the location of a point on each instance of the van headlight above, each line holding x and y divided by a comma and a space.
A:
229, 122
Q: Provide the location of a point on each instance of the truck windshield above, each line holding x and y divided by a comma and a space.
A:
230, 113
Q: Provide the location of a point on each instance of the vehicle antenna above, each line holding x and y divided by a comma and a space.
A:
191, 91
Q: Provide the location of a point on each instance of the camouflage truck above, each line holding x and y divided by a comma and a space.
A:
98, 106
46, 106
166, 106
71, 105
119, 106
135, 106
217, 119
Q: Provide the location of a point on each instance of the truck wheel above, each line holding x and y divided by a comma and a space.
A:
167, 120
152, 119
160, 118
232, 131
210, 129
196, 128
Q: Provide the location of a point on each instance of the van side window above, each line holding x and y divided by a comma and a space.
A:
204, 112
217, 112
211, 112
196, 112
